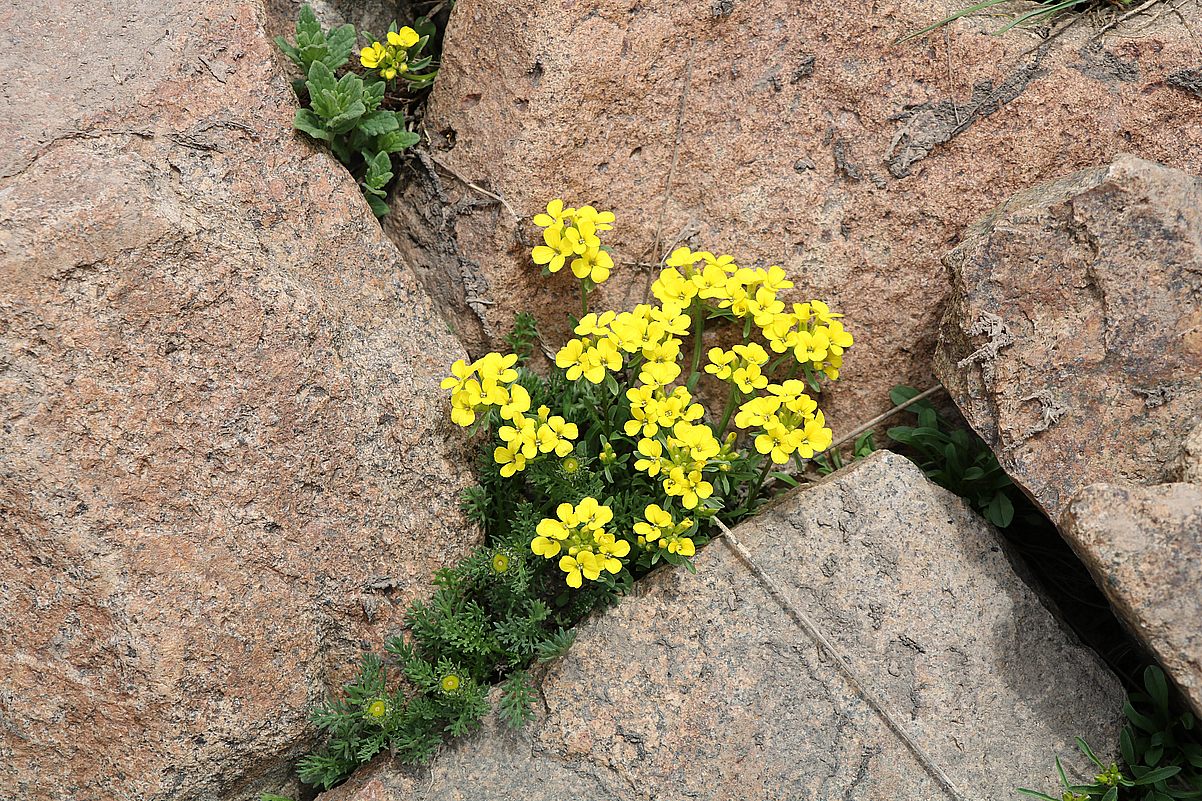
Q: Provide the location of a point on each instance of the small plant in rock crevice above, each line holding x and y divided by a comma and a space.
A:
589, 477
361, 118
1161, 753
955, 459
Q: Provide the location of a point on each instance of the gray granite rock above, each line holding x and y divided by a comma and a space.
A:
1144, 548
710, 686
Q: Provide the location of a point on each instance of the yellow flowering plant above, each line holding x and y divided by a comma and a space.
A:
362, 118
592, 473
399, 55
621, 403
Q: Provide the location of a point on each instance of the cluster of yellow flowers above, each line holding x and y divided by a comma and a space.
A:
571, 238
392, 58
490, 381
790, 421
673, 445
528, 437
652, 407
741, 366
580, 531
681, 458
659, 530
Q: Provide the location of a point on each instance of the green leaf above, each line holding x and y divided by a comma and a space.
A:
425, 27
1111, 795
378, 122
305, 120
1000, 511
1036, 794
900, 394
1085, 749
339, 44
398, 141
1127, 746
1140, 720
348, 119
289, 50
321, 79
1158, 774
786, 479
1060, 772
1157, 687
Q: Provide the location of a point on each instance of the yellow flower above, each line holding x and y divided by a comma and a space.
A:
652, 452
584, 357
657, 521
594, 264
517, 403
839, 339
711, 283
603, 220
775, 279
371, 57
406, 37
779, 442
659, 367
377, 709
683, 258
757, 411
681, 545
556, 214
510, 458
689, 486
561, 243
812, 346
499, 562
590, 548
450, 683
593, 324
673, 288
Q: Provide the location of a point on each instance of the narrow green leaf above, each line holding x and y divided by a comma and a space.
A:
1157, 686
1085, 749
1036, 794
1158, 774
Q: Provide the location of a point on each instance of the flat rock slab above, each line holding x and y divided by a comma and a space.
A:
224, 456
1073, 343
1144, 548
710, 686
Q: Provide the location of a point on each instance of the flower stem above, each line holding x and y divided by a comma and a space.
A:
730, 407
759, 483
583, 297
698, 345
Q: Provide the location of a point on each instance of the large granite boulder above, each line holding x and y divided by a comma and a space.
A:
785, 132
222, 457
714, 686
1143, 546
1073, 343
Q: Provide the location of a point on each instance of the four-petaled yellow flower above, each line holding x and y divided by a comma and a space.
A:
392, 58
570, 237
580, 531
